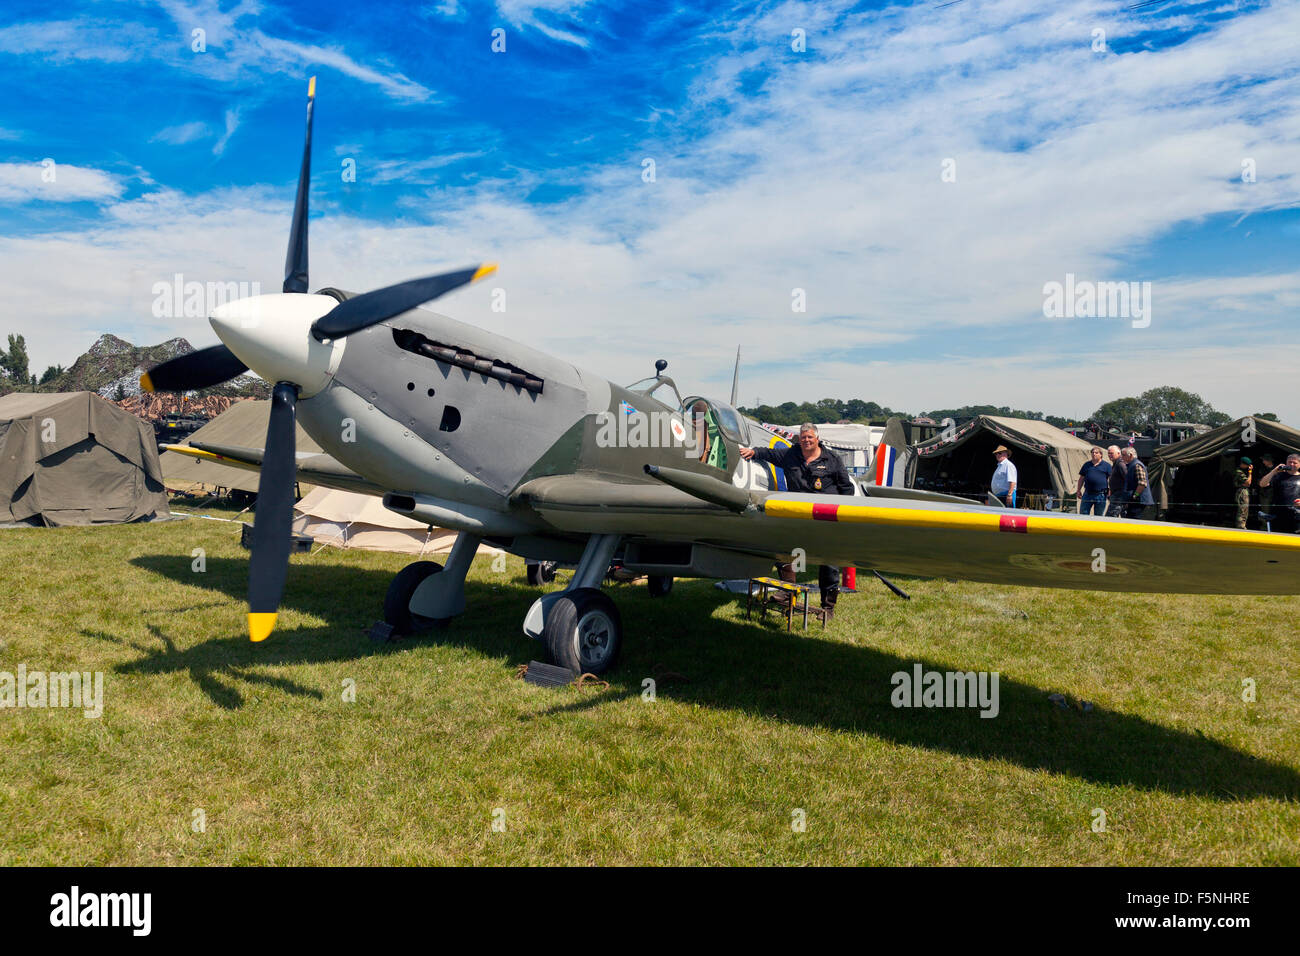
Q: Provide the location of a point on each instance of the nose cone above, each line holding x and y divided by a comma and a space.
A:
271, 334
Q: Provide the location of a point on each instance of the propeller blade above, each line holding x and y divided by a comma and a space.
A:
362, 311
199, 369
295, 262
269, 562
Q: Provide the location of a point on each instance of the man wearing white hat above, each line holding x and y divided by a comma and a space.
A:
1004, 477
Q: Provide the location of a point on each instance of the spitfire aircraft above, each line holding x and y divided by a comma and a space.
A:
470, 431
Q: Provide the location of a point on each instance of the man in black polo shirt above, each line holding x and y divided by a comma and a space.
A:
1285, 482
809, 467
1115, 502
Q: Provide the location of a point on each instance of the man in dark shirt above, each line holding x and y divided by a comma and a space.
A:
1135, 484
1285, 482
1118, 481
1094, 479
811, 468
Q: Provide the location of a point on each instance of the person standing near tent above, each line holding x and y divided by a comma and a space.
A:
1265, 494
1003, 485
1241, 486
1094, 480
1135, 484
1285, 482
1118, 483
810, 467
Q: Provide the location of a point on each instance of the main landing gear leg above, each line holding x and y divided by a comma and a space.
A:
426, 591
580, 625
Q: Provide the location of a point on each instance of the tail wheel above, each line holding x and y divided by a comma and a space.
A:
659, 584
541, 573
584, 631
397, 602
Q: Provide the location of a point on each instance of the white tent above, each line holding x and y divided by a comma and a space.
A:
344, 519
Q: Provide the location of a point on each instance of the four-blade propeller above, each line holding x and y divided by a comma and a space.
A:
212, 366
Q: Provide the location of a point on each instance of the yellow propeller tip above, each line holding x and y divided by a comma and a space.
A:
486, 269
311, 87
146, 382
260, 626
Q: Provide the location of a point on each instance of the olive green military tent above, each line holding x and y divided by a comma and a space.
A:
1192, 479
961, 462
72, 458
242, 425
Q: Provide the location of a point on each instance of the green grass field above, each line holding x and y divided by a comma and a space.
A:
749, 726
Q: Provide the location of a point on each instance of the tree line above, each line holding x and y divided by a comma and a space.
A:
1152, 407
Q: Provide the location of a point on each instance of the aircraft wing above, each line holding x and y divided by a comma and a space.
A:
911, 494
313, 467
1037, 548
582, 496
954, 538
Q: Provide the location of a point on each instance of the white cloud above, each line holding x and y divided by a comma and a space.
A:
235, 47
828, 180
76, 284
49, 181
232, 124
60, 41
182, 134
300, 55
451, 9
543, 15
414, 172
1232, 379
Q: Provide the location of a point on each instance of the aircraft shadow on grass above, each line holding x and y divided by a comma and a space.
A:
750, 667
212, 666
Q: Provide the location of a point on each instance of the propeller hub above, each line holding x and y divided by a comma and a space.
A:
271, 334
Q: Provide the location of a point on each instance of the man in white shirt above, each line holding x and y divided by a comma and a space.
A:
1004, 477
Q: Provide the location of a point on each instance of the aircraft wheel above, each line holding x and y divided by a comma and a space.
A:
397, 602
542, 573
659, 584
584, 631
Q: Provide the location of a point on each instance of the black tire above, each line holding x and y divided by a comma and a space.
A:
541, 573
659, 585
397, 602
584, 631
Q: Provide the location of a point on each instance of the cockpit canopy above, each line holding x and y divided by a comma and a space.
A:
728, 419
662, 389
712, 417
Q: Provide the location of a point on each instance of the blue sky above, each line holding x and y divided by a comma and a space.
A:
775, 169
